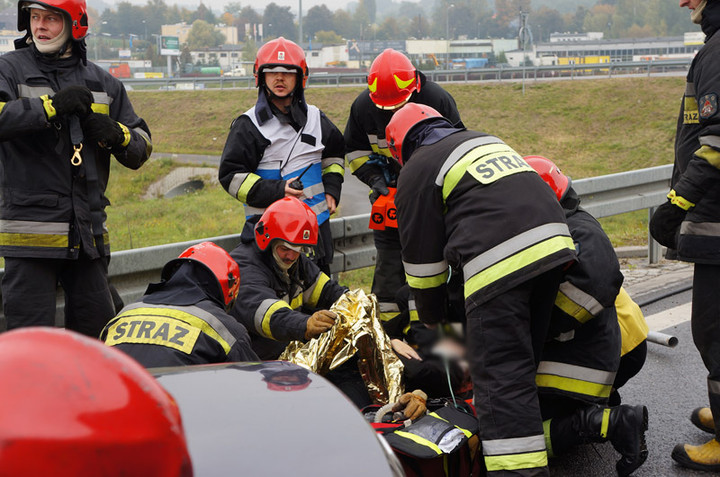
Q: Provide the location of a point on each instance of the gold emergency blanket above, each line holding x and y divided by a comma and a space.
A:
357, 330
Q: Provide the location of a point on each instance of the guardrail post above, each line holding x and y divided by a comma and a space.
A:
654, 248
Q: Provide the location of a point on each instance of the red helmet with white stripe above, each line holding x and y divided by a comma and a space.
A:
402, 122
288, 219
278, 55
75, 12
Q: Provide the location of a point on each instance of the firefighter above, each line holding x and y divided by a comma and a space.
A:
688, 222
61, 117
580, 360
468, 203
392, 82
283, 146
74, 407
183, 319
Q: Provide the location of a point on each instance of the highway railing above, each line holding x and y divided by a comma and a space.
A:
657, 67
130, 271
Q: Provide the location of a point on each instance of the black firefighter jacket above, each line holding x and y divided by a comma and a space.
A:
470, 202
179, 322
582, 354
275, 307
45, 206
696, 174
365, 128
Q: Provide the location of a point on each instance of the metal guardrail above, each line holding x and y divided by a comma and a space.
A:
130, 271
441, 76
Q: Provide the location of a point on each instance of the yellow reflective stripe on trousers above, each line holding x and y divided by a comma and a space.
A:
548, 440
2, 105
426, 275
199, 323
516, 262
334, 168
423, 283
528, 460
572, 385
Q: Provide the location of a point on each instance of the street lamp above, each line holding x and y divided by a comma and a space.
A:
447, 35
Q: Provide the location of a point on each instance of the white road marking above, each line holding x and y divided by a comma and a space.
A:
670, 317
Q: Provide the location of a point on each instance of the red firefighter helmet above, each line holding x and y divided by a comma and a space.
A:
288, 219
402, 122
73, 406
75, 12
280, 53
550, 173
215, 259
392, 79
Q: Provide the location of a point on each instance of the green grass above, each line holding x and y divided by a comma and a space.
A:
589, 128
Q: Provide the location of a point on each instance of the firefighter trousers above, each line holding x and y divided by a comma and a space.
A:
705, 323
29, 290
505, 339
389, 275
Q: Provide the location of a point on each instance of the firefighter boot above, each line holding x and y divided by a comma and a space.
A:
624, 426
703, 419
703, 457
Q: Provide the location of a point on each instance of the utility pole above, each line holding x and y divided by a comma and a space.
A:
300, 32
524, 37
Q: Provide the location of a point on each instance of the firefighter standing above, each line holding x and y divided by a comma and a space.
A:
582, 355
183, 320
393, 81
61, 117
688, 222
468, 202
283, 146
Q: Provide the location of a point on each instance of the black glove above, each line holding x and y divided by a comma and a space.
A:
665, 224
73, 100
379, 187
103, 129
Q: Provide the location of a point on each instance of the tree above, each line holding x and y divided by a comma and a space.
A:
600, 19
418, 27
245, 21
389, 29
233, 8
278, 21
249, 50
204, 35
328, 38
204, 13
318, 18
344, 25
545, 22
507, 11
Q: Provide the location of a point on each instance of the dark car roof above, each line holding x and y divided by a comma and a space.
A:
271, 418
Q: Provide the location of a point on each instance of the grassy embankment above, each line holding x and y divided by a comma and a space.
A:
589, 127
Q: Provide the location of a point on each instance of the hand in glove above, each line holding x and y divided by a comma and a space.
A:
318, 323
412, 404
73, 100
665, 222
103, 129
379, 187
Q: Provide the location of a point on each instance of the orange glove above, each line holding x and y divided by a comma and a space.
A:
318, 323
412, 404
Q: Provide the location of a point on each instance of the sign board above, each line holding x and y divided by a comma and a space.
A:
370, 49
169, 46
124, 53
